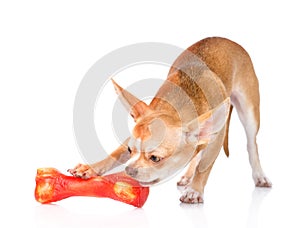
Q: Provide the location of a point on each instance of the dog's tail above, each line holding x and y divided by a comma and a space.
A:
225, 143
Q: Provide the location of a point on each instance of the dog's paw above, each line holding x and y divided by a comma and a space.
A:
262, 181
191, 196
183, 181
83, 171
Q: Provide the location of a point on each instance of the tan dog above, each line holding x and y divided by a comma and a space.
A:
188, 119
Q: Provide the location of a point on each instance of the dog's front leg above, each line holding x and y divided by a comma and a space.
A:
187, 177
116, 158
193, 191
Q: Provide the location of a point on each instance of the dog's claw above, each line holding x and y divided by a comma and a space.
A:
191, 196
82, 171
263, 182
71, 171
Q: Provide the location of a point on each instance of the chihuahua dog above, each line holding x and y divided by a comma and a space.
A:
188, 120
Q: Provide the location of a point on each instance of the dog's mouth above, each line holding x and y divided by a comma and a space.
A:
149, 183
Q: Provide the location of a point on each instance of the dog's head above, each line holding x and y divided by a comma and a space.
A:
160, 144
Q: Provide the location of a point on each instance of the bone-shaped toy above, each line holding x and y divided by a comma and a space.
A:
52, 186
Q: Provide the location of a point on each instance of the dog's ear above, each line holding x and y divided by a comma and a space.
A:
204, 129
136, 107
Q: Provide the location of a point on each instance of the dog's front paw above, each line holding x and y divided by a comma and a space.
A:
83, 171
191, 196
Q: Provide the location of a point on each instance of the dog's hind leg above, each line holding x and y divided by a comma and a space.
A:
246, 101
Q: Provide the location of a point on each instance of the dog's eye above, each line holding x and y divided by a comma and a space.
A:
129, 150
155, 158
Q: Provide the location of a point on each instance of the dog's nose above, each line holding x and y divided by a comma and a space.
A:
131, 171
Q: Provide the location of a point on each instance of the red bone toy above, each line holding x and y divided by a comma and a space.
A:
51, 186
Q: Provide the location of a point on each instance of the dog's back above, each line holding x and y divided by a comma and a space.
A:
227, 59
207, 72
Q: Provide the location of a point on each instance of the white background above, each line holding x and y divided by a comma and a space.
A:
46, 47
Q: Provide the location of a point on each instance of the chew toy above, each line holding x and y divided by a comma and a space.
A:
52, 186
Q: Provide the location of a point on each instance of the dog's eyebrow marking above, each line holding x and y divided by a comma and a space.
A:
150, 149
152, 145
